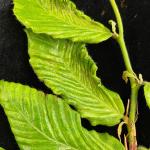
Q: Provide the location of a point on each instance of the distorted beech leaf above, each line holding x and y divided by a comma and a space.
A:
147, 93
60, 19
45, 122
69, 71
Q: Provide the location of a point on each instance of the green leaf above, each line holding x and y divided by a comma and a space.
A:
60, 19
147, 93
45, 122
142, 148
68, 70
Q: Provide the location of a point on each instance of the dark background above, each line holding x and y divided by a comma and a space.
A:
14, 65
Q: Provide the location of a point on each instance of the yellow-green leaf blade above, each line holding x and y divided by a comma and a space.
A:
45, 122
147, 93
68, 70
60, 19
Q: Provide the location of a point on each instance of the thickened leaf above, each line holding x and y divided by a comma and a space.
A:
147, 93
45, 122
60, 19
68, 70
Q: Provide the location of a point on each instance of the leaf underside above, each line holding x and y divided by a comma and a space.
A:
60, 19
147, 93
45, 122
69, 71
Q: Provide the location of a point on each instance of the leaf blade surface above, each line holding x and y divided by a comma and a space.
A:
69, 71
60, 19
45, 122
142, 148
147, 93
